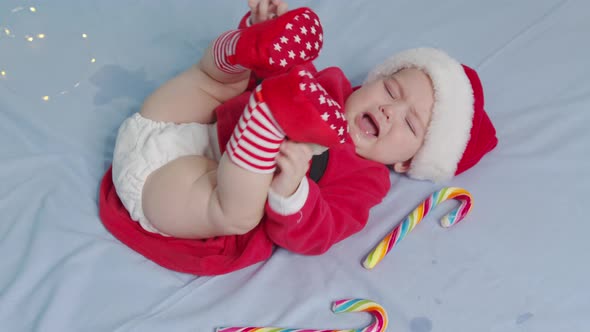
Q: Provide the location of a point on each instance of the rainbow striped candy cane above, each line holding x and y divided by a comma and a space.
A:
414, 218
347, 305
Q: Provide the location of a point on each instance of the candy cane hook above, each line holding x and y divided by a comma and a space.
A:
414, 218
379, 314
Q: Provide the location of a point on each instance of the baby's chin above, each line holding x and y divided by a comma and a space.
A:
359, 144
356, 137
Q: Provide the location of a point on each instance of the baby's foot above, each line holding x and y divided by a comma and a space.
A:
292, 105
277, 45
303, 109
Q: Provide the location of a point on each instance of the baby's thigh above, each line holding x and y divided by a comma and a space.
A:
176, 196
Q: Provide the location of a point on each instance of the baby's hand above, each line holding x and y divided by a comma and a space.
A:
263, 10
293, 163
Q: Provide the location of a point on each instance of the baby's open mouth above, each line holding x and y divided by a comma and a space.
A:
368, 125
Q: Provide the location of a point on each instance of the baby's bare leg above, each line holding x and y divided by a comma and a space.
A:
194, 197
193, 95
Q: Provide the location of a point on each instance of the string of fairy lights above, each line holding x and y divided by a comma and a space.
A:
7, 31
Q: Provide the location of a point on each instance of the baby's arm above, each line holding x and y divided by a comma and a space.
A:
333, 210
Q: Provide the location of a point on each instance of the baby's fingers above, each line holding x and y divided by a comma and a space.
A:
263, 10
253, 5
281, 7
298, 153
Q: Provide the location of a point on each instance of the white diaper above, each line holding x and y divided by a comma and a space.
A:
144, 145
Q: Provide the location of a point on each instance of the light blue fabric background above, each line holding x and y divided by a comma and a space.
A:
519, 262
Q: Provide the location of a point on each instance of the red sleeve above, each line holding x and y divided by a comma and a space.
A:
336, 208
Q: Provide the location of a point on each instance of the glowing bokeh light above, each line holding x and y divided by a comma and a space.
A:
25, 27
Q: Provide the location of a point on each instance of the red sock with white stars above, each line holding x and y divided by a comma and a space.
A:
271, 47
304, 109
292, 105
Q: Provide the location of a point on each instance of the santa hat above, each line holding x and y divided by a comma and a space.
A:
460, 132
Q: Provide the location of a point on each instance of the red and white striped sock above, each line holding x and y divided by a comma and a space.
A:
256, 140
224, 50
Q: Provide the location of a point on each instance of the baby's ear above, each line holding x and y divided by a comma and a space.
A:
402, 167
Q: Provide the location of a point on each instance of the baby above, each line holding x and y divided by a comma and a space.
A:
214, 171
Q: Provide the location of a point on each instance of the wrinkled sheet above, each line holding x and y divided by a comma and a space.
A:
73, 70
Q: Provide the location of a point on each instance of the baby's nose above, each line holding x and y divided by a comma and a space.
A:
386, 111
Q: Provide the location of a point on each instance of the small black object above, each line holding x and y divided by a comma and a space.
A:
318, 166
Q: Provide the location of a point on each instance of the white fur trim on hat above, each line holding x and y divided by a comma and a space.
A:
452, 115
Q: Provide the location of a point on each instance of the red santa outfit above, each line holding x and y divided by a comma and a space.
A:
333, 209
